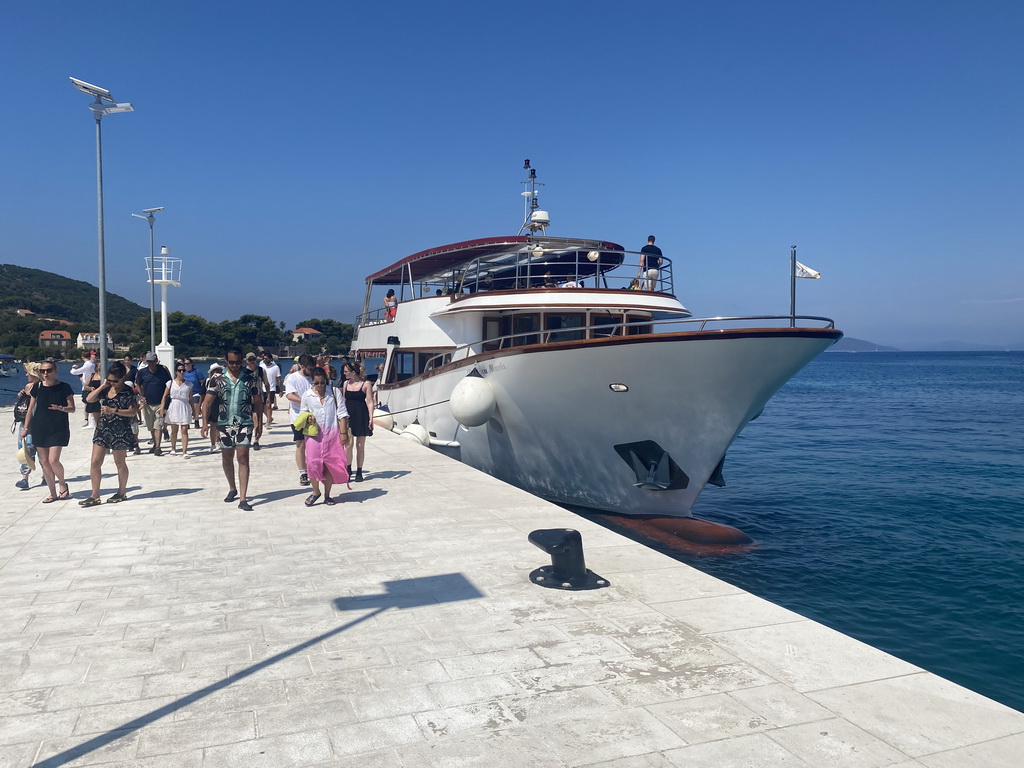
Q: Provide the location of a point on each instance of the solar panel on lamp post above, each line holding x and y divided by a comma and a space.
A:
103, 104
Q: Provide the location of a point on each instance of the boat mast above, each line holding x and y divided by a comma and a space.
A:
533, 219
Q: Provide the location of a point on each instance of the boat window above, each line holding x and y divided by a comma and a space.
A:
492, 330
609, 325
522, 325
560, 325
402, 366
637, 329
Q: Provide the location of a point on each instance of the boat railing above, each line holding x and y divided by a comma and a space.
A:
617, 329
620, 270
540, 270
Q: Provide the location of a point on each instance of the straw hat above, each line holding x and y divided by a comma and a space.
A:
32, 369
23, 457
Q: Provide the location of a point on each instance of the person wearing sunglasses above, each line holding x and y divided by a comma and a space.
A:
178, 413
237, 394
26, 451
113, 432
47, 421
195, 378
325, 454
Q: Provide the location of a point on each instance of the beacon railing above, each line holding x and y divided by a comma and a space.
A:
539, 336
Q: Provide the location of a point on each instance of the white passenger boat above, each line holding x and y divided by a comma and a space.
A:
531, 358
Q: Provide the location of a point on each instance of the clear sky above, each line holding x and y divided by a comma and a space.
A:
300, 146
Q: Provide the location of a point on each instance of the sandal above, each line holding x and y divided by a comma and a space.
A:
90, 502
311, 499
49, 500
65, 492
117, 498
330, 502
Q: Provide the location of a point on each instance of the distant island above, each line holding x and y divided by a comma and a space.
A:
850, 344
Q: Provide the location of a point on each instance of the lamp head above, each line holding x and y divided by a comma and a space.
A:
152, 210
100, 94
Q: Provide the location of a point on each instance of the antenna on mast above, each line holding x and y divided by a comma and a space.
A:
534, 219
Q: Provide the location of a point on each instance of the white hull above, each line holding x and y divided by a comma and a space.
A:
557, 419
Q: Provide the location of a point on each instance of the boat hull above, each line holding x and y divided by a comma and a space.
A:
562, 431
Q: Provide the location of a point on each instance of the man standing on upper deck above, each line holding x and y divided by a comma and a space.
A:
650, 263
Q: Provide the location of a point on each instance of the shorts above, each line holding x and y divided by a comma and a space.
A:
235, 435
150, 413
297, 435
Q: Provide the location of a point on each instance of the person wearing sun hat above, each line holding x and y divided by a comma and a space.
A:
26, 456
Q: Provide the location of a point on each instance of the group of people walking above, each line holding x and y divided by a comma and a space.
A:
230, 407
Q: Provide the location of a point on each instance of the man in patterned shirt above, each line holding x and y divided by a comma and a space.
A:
239, 412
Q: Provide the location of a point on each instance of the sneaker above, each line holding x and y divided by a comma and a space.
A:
245, 506
23, 484
256, 447
303, 478
157, 452
232, 495
173, 452
186, 455
359, 476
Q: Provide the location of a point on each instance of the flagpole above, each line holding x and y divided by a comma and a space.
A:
792, 286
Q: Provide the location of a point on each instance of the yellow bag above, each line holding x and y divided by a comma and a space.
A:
305, 423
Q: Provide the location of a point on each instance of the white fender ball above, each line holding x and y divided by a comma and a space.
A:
472, 401
416, 432
383, 419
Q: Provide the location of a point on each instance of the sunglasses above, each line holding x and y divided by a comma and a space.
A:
179, 370
112, 381
47, 370
234, 362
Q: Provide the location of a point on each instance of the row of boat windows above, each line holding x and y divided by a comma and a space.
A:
518, 330
524, 328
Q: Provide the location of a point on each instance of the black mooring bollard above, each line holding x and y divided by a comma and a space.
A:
568, 569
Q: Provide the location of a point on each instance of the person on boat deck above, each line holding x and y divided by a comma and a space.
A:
650, 263
390, 305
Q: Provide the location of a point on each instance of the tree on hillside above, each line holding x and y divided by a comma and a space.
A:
337, 337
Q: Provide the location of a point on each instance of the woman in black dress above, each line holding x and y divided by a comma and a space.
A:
47, 422
113, 432
359, 401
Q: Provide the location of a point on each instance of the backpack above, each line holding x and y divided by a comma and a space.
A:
21, 408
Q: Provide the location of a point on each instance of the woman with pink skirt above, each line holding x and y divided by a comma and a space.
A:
325, 454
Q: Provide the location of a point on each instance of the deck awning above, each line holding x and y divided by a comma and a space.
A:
499, 256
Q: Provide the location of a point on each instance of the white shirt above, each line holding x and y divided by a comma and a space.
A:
297, 383
329, 411
273, 374
85, 371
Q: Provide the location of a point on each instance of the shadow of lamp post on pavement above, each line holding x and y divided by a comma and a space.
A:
401, 594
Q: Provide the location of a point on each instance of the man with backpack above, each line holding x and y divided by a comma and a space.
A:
650, 263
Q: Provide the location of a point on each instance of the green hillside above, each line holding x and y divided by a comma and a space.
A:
52, 295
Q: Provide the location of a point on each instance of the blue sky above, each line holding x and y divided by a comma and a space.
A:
298, 147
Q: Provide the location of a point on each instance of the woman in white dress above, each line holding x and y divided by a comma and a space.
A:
176, 409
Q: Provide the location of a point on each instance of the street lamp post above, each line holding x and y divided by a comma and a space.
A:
149, 271
104, 104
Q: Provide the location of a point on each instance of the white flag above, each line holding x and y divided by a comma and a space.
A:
803, 271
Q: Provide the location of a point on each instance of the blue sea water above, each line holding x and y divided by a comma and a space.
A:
886, 493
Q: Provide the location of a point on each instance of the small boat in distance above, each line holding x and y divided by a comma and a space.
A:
568, 367
7, 366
